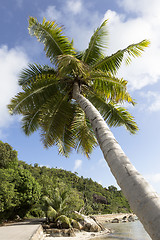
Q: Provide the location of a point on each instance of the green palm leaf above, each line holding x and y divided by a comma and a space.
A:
36, 93
112, 88
50, 35
112, 63
57, 114
67, 141
114, 115
30, 121
35, 72
96, 45
85, 138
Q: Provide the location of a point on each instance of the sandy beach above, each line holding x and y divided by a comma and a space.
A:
109, 217
91, 235
80, 236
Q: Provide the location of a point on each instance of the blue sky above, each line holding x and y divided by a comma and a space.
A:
130, 21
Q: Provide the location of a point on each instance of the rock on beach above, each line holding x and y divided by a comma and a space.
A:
101, 219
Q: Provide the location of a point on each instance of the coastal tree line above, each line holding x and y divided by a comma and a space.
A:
35, 191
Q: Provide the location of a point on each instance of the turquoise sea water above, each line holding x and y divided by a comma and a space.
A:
126, 231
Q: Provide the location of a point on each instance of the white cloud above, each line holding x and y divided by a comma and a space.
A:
51, 13
77, 164
152, 101
147, 8
126, 30
11, 62
69, 10
74, 6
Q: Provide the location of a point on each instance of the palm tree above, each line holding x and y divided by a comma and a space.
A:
61, 204
55, 206
74, 101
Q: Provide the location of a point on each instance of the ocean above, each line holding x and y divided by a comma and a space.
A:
126, 231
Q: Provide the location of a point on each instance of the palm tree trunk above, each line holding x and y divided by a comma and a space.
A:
143, 200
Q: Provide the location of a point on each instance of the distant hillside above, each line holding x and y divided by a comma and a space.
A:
97, 198
23, 188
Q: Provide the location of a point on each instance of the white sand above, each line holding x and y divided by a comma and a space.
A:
80, 235
109, 217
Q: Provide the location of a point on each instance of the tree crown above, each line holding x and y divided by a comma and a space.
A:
46, 101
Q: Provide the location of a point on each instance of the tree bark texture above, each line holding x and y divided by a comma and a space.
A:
143, 200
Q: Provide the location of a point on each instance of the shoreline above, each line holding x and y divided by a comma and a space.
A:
91, 235
81, 235
109, 217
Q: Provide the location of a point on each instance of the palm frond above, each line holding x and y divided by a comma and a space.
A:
110, 87
112, 63
135, 50
51, 213
47, 201
50, 34
114, 115
30, 121
67, 143
35, 72
57, 115
85, 138
36, 93
79, 54
45, 105
97, 44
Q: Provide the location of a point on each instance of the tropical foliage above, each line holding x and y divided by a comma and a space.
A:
47, 103
19, 192
8, 156
34, 191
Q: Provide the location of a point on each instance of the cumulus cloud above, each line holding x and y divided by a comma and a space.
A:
152, 100
74, 6
141, 7
11, 62
124, 31
77, 164
51, 13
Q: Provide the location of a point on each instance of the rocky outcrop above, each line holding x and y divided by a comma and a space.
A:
76, 225
99, 199
131, 218
115, 220
66, 228
89, 224
63, 222
116, 217
127, 218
